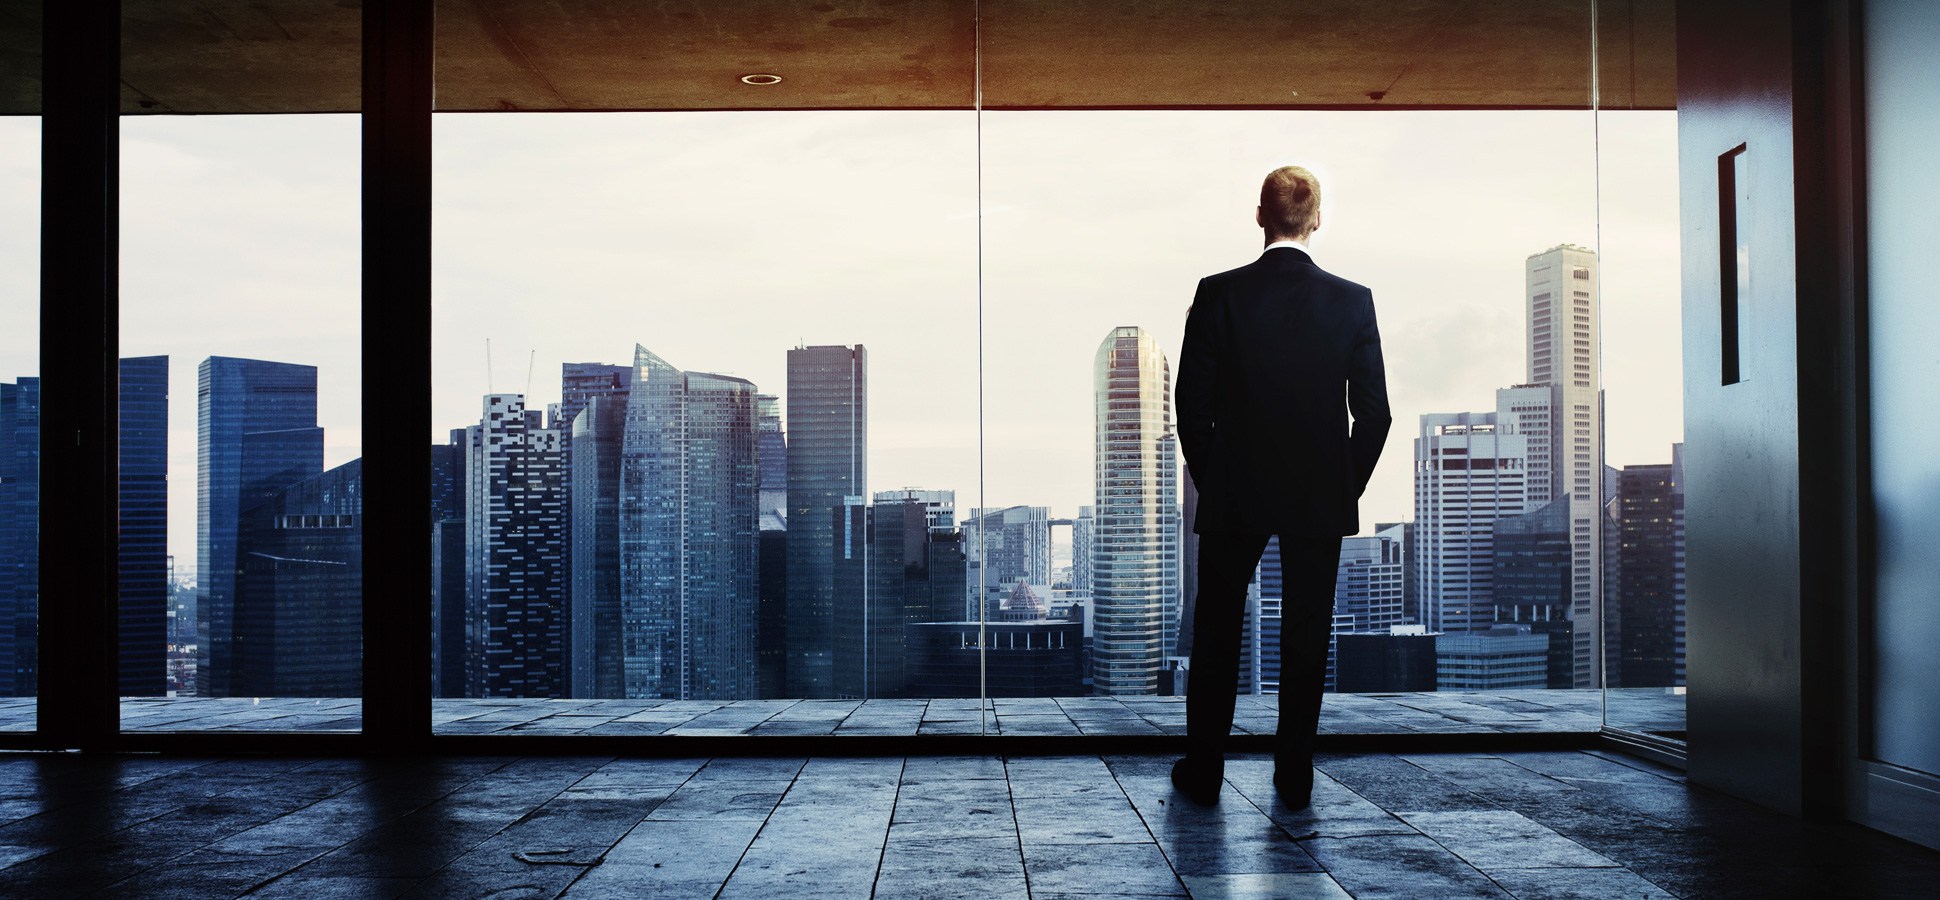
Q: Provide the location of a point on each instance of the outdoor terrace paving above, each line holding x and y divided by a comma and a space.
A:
1431, 712
1525, 824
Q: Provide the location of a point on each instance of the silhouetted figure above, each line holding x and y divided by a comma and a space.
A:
1277, 353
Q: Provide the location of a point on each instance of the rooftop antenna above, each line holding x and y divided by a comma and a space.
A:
529, 361
488, 365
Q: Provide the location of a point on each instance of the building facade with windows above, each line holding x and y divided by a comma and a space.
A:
1135, 562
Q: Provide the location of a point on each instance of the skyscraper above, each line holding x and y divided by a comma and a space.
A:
1005, 546
448, 566
773, 453
257, 434
597, 659
142, 523
19, 537
1563, 342
1135, 547
689, 539
1469, 472
828, 469
1532, 581
299, 619
580, 384
1083, 532
1367, 586
514, 545
1650, 587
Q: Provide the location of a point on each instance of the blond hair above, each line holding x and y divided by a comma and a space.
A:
1290, 202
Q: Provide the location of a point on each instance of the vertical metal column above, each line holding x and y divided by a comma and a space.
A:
79, 342
397, 374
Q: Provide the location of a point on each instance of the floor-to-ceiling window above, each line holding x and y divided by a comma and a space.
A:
20, 155
241, 491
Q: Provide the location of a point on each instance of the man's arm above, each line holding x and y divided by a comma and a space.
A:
1367, 398
1198, 386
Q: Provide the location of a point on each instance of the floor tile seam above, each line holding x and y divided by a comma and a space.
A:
1163, 854
887, 825
1017, 828
738, 860
1625, 760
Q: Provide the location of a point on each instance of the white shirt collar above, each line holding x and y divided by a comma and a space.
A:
1294, 244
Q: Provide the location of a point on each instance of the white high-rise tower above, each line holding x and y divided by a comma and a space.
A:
1469, 471
1135, 542
1563, 353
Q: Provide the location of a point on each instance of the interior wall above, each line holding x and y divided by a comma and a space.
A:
1742, 448
1899, 744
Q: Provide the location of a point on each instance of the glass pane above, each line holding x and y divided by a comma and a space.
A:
1643, 371
1465, 597
19, 419
706, 402
241, 602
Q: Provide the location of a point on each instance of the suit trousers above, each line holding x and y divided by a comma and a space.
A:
1226, 561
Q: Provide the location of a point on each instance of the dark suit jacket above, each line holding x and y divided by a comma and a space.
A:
1277, 353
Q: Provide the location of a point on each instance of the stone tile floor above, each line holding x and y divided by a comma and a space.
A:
1432, 712
1526, 824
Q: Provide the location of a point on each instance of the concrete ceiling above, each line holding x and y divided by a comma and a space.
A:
258, 56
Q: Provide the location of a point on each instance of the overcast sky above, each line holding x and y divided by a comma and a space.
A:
720, 240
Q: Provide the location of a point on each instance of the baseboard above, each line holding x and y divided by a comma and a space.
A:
1901, 802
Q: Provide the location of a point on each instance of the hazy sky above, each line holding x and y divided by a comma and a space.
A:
720, 240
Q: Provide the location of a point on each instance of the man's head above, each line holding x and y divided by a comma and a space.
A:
1289, 204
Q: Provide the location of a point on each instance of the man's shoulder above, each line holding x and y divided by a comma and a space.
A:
1265, 270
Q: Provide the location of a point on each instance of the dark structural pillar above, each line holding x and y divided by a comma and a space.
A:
80, 318
397, 374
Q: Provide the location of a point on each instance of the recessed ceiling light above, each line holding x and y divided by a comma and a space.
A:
761, 79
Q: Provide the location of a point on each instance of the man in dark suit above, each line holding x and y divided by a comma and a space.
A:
1277, 354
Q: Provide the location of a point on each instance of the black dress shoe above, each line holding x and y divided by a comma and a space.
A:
1295, 793
1195, 784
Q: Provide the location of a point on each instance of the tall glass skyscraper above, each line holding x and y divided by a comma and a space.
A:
689, 538
19, 536
596, 658
1563, 295
1135, 544
256, 434
299, 617
581, 385
143, 526
828, 470
514, 554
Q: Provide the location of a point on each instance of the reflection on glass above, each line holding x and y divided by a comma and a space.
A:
19, 420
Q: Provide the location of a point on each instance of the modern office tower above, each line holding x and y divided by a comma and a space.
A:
1005, 546
1016, 659
910, 574
1342, 624
1563, 339
448, 566
1468, 473
514, 554
596, 660
772, 451
580, 384
939, 507
859, 609
142, 525
1532, 581
19, 537
1410, 589
1504, 657
299, 617
1650, 590
1135, 545
771, 615
1267, 622
1530, 410
258, 434
689, 534
1367, 586
828, 464
1083, 534
1385, 662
